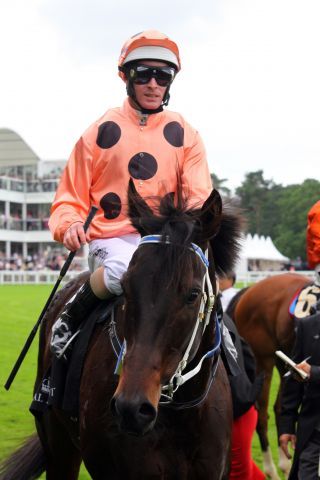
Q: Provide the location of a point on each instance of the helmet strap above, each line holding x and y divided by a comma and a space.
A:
166, 97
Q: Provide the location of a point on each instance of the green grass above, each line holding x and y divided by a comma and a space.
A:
20, 307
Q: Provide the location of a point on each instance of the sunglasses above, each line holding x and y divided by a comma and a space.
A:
142, 74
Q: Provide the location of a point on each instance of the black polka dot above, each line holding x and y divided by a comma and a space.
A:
108, 134
111, 205
173, 133
143, 166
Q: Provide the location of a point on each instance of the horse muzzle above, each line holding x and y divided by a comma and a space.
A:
134, 416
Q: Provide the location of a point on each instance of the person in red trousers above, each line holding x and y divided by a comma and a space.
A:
242, 465
245, 388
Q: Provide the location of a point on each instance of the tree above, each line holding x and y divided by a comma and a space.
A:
254, 195
291, 220
218, 185
277, 211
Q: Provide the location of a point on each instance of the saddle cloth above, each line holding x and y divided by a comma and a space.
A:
303, 300
61, 382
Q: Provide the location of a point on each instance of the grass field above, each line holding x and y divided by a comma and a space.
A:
20, 307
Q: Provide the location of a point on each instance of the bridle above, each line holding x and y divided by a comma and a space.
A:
203, 319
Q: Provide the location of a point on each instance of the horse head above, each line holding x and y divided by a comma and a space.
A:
164, 291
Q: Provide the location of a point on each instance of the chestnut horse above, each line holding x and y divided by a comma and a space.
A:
168, 415
261, 313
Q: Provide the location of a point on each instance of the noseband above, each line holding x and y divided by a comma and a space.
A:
203, 318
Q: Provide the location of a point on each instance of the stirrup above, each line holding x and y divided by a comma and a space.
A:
63, 350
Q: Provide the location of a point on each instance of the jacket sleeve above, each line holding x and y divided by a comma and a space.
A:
249, 360
292, 392
245, 385
72, 199
196, 180
313, 236
315, 374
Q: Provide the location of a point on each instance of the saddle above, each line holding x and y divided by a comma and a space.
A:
304, 300
61, 382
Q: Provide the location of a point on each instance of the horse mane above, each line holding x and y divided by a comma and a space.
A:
227, 245
172, 217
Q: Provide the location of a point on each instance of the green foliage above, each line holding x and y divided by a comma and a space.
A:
253, 194
20, 308
218, 184
293, 206
277, 211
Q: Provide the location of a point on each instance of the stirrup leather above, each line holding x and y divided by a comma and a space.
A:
65, 348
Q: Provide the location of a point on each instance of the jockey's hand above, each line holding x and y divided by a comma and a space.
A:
284, 441
74, 237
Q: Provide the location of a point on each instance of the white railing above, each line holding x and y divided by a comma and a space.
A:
247, 278
17, 277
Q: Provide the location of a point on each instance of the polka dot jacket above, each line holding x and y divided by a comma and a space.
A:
124, 144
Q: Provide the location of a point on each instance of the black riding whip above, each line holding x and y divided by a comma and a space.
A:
33, 332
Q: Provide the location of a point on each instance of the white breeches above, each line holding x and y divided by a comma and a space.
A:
114, 254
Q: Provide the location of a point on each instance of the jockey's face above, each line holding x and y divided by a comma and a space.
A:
150, 95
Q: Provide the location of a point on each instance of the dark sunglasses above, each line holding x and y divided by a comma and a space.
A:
142, 74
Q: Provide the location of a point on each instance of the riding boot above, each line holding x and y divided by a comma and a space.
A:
75, 312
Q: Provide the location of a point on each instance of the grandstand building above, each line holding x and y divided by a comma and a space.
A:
27, 187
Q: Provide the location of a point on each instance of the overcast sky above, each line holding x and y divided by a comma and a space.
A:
250, 81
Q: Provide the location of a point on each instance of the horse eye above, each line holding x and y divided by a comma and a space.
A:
193, 295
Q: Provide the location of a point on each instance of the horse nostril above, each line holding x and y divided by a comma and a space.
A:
147, 410
136, 416
113, 406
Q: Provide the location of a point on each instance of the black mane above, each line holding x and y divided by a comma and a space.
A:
226, 245
171, 217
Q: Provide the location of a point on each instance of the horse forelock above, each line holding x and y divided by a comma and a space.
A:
172, 219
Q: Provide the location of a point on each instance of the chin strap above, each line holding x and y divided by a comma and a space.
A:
131, 94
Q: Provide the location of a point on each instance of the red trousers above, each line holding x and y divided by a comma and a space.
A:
242, 464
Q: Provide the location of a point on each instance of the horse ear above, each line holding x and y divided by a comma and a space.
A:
137, 208
210, 215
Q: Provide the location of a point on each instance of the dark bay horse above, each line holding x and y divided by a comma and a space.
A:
261, 313
168, 415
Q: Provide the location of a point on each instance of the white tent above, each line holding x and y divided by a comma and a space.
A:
260, 253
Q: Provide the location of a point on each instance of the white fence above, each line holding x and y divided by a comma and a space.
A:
246, 278
17, 277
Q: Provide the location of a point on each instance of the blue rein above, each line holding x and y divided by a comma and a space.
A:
159, 239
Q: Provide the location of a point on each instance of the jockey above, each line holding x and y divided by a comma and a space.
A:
139, 140
313, 240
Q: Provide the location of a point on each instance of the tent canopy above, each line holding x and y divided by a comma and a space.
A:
261, 248
259, 253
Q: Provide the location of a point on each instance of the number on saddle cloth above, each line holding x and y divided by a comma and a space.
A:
304, 300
